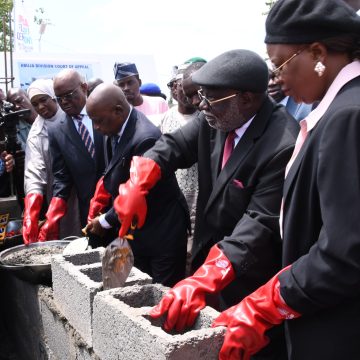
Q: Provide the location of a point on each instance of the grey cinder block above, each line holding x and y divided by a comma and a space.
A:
123, 330
77, 279
61, 340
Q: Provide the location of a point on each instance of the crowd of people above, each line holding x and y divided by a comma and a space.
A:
245, 193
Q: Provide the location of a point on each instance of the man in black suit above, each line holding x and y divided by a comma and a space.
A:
77, 152
160, 245
236, 229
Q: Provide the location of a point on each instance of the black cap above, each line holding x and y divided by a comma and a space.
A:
240, 69
307, 21
123, 70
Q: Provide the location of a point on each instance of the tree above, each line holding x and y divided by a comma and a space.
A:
269, 4
5, 16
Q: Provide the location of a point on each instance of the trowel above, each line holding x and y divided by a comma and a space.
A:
76, 246
118, 260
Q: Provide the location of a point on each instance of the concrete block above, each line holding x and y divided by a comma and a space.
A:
123, 330
77, 279
61, 339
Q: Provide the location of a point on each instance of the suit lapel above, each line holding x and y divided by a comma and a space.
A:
295, 167
70, 131
240, 152
100, 147
125, 142
216, 149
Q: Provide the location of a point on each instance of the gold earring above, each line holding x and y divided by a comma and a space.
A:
319, 68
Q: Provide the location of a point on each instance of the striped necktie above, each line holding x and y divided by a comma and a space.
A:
85, 135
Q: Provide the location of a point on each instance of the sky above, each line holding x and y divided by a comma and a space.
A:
170, 31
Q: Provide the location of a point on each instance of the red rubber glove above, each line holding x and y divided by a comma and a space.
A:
50, 230
248, 321
185, 300
99, 201
33, 203
131, 203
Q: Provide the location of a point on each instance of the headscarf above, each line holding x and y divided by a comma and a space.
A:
41, 87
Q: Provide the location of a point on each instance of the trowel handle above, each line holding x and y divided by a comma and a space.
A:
130, 234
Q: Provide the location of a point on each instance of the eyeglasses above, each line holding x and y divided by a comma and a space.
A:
209, 103
276, 72
67, 97
170, 84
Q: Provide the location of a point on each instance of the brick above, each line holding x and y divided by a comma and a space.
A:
123, 330
77, 279
61, 340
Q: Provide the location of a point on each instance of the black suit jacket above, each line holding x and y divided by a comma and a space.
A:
73, 165
164, 231
322, 235
243, 219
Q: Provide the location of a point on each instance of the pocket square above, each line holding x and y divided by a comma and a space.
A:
238, 183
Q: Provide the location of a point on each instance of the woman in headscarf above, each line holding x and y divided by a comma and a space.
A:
315, 48
38, 171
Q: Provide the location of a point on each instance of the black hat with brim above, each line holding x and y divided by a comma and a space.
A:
239, 69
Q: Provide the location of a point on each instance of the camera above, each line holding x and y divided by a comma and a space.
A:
8, 125
9, 120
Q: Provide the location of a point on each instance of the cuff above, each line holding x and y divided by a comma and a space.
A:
104, 224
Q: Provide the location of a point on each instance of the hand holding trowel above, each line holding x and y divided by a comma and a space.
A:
118, 260
131, 208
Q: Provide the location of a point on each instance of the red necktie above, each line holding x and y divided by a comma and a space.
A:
228, 147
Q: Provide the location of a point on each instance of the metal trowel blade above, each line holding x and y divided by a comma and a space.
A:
76, 246
117, 262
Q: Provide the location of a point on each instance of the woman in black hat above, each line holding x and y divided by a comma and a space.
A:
315, 48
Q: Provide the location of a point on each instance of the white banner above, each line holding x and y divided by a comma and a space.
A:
22, 37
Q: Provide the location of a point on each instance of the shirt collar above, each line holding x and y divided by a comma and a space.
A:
241, 130
125, 123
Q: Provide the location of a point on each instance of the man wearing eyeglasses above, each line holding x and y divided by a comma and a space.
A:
242, 142
77, 150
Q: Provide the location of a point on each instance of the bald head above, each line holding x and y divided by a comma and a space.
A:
108, 108
68, 75
70, 91
106, 95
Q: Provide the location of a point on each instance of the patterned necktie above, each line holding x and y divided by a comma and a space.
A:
228, 147
85, 135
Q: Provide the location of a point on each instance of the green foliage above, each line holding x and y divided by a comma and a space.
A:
39, 17
5, 13
269, 4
